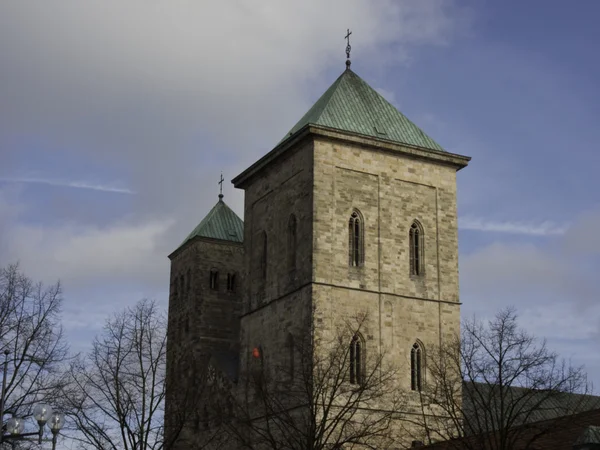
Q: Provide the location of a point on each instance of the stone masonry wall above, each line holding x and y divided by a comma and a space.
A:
201, 320
282, 189
390, 190
275, 306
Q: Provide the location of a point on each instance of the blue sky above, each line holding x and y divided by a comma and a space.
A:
117, 117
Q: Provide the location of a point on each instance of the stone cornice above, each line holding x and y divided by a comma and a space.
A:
438, 157
195, 239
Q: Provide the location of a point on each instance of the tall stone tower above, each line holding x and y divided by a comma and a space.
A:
353, 212
203, 325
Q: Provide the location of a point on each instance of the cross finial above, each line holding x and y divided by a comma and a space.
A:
221, 188
348, 48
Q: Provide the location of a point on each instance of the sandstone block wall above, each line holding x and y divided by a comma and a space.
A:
282, 189
201, 321
390, 190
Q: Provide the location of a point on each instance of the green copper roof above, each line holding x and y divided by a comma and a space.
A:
220, 223
350, 104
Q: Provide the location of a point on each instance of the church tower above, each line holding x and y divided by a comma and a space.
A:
203, 323
352, 213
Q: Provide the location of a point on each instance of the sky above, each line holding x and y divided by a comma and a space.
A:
117, 117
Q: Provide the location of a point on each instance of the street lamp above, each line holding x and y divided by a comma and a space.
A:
42, 413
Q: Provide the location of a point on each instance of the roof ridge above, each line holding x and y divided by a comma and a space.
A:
220, 223
321, 103
351, 104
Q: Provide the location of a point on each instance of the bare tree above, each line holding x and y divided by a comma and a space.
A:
494, 388
31, 336
329, 394
117, 395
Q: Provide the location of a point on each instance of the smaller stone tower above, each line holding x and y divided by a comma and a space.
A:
204, 309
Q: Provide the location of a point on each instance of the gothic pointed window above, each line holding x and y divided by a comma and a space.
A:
416, 367
356, 239
415, 242
292, 242
357, 358
214, 279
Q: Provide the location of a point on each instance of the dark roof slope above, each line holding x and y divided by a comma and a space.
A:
220, 223
538, 405
350, 104
560, 433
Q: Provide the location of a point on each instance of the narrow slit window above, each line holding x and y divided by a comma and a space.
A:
356, 360
291, 350
416, 249
355, 240
264, 260
231, 282
416, 367
292, 242
214, 280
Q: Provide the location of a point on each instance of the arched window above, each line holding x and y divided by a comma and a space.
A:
415, 243
264, 256
357, 358
292, 242
214, 279
416, 367
175, 285
355, 239
181, 285
189, 281
231, 282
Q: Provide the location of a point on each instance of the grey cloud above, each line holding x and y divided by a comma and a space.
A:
534, 229
170, 93
552, 282
548, 280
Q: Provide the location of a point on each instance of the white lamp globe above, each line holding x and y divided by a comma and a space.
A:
56, 422
42, 412
15, 425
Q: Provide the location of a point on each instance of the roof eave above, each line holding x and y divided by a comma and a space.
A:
438, 156
441, 157
242, 179
186, 244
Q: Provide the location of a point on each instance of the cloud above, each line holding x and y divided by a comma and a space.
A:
541, 229
169, 93
553, 283
70, 184
164, 96
127, 250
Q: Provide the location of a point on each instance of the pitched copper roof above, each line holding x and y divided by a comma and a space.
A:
350, 104
220, 223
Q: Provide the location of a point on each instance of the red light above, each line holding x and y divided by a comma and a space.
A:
256, 352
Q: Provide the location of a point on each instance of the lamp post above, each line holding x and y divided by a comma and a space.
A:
42, 413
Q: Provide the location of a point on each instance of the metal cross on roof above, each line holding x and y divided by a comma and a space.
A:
221, 186
348, 48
